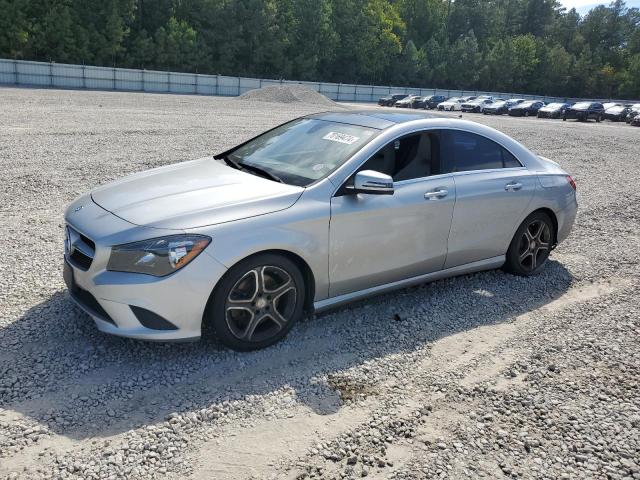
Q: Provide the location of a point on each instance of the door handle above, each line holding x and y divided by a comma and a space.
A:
512, 187
440, 193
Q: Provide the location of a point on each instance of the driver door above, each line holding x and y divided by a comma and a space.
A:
380, 239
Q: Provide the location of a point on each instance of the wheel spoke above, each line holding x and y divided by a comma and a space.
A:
523, 256
543, 246
252, 325
277, 318
527, 235
261, 282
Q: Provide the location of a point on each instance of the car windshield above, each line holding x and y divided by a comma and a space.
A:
582, 105
552, 106
499, 103
304, 150
453, 100
525, 104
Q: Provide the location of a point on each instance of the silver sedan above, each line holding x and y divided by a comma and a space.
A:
322, 210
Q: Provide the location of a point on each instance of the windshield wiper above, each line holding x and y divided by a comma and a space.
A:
261, 171
251, 168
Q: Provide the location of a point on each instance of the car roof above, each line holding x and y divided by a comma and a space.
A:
371, 118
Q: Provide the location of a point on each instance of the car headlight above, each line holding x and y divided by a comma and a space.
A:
157, 256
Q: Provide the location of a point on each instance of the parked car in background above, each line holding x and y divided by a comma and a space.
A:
406, 102
633, 113
391, 99
433, 101
476, 106
370, 202
526, 109
635, 121
553, 110
583, 111
420, 102
609, 105
454, 103
617, 113
501, 107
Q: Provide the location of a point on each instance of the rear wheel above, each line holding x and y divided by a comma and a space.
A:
257, 302
531, 245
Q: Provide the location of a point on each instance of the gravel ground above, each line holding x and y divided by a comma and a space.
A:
480, 376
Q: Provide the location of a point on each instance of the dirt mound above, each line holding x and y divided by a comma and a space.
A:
287, 94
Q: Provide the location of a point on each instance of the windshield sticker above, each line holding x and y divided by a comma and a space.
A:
341, 138
319, 166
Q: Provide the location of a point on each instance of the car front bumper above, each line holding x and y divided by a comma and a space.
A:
144, 307
135, 305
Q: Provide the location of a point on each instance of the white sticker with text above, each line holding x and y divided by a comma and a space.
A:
341, 138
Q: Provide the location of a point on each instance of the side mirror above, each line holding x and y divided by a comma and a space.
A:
373, 183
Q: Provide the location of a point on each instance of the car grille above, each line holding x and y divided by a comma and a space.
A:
80, 249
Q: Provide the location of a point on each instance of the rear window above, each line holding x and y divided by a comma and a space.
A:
469, 151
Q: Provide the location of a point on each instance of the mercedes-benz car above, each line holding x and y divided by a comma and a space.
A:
526, 109
320, 211
553, 110
406, 102
583, 111
617, 113
391, 100
500, 107
477, 105
452, 104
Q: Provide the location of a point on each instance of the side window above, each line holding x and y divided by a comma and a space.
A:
468, 151
407, 158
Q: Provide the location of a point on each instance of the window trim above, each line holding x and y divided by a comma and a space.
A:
439, 128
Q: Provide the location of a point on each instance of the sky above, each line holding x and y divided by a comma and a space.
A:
583, 6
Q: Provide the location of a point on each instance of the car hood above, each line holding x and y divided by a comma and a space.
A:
193, 194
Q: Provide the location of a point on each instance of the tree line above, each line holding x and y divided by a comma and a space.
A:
526, 46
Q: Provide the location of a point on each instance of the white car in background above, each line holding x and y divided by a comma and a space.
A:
452, 104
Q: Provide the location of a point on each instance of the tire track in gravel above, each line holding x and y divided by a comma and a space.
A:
481, 354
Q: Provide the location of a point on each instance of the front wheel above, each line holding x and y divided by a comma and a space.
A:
257, 302
531, 245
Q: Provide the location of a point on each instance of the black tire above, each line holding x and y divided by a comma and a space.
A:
526, 113
235, 302
530, 247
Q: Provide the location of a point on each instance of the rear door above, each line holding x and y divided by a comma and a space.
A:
493, 190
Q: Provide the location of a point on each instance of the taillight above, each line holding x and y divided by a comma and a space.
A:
572, 182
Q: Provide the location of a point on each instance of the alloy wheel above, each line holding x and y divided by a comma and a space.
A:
534, 245
261, 303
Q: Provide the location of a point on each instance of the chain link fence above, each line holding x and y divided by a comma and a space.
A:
58, 75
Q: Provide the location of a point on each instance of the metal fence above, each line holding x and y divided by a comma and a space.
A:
58, 75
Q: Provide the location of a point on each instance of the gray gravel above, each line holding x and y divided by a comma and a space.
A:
481, 376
